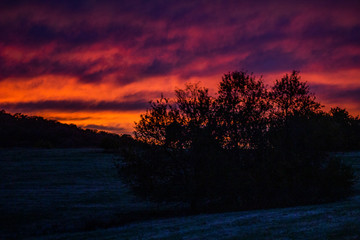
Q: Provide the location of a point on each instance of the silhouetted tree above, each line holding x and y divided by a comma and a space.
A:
294, 120
242, 110
246, 148
345, 129
291, 97
176, 123
180, 132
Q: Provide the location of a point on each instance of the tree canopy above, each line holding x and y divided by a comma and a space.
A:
291, 96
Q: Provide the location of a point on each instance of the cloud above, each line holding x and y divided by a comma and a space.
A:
158, 67
337, 93
90, 71
347, 97
272, 60
163, 38
104, 128
136, 48
70, 118
76, 105
147, 95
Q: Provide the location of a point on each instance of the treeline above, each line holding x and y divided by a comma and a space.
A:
20, 130
249, 147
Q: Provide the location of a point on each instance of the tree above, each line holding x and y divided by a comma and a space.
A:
151, 128
345, 129
242, 110
182, 141
291, 97
246, 148
175, 123
293, 115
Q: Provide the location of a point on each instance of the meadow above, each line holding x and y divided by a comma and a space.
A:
77, 194
60, 190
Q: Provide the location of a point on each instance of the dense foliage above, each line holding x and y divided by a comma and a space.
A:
249, 147
20, 130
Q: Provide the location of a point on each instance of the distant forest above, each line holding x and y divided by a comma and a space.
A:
20, 130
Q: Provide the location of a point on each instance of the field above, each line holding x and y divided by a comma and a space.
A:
76, 194
60, 190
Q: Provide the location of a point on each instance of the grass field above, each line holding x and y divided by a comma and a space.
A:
76, 194
60, 190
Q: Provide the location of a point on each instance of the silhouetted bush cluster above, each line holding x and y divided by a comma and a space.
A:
250, 147
19, 130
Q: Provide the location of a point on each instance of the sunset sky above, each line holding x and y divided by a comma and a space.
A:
97, 63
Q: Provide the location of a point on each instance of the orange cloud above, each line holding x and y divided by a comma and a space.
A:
66, 60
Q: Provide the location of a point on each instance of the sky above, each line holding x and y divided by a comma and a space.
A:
97, 64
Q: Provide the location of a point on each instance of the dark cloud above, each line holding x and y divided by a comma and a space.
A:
335, 94
29, 33
157, 67
345, 62
283, 22
328, 30
160, 41
75, 105
43, 66
104, 128
96, 76
147, 95
272, 60
70, 118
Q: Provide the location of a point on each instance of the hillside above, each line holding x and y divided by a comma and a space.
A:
20, 130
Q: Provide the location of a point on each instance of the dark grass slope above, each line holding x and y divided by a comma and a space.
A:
46, 191
53, 194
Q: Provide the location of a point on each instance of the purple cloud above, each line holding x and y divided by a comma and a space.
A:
338, 94
129, 44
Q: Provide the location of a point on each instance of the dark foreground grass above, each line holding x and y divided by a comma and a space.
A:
76, 194
338, 220
60, 190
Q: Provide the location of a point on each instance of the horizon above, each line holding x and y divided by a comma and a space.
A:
97, 65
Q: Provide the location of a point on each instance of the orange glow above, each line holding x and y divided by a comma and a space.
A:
60, 88
122, 121
91, 54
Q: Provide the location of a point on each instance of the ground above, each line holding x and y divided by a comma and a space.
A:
76, 194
